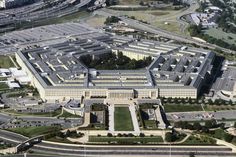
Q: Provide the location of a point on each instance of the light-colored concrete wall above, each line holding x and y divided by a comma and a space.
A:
178, 92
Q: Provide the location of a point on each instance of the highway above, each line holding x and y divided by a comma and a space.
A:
12, 137
39, 11
117, 150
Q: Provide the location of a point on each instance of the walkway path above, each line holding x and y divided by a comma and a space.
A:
134, 118
12, 60
111, 110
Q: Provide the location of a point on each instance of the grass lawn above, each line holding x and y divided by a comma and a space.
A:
59, 139
150, 124
172, 26
5, 62
202, 140
123, 121
68, 115
96, 21
182, 107
3, 78
219, 107
157, 18
220, 34
35, 131
218, 133
18, 94
3, 86
45, 114
154, 139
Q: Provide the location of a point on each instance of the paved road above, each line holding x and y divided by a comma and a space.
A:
134, 150
131, 150
12, 137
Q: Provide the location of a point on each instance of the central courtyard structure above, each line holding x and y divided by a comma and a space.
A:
56, 70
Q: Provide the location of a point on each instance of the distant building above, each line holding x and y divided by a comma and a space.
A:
205, 19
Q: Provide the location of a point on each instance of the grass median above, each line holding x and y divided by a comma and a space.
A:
125, 140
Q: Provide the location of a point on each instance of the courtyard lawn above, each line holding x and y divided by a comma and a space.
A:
150, 124
123, 121
5, 62
35, 131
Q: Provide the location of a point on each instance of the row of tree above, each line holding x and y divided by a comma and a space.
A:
197, 126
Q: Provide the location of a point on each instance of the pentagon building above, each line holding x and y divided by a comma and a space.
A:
58, 74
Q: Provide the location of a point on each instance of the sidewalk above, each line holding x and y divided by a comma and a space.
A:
134, 118
111, 110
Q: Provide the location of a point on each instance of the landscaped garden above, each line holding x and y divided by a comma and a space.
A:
128, 139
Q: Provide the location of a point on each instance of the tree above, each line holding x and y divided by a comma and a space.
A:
111, 19
170, 137
141, 3
109, 135
211, 123
197, 126
141, 135
228, 137
195, 30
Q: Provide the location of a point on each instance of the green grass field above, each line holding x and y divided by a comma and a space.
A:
5, 62
68, 115
3, 78
35, 131
150, 124
44, 114
181, 108
3, 86
154, 139
123, 121
220, 34
203, 140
